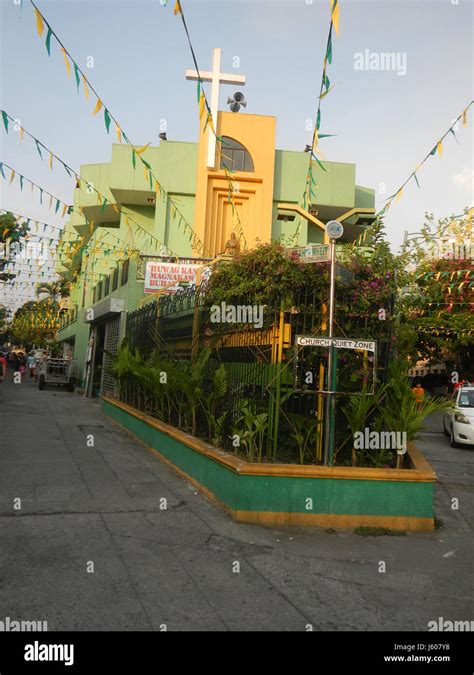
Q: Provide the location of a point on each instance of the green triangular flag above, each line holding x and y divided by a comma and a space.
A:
57, 205
329, 50
1, 170
48, 40
416, 179
318, 119
5, 120
104, 204
41, 195
38, 148
133, 158
67, 170
319, 163
198, 90
21, 182
76, 73
433, 152
107, 119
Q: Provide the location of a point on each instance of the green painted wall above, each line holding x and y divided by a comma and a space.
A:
285, 494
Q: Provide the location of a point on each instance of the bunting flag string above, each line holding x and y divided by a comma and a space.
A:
102, 200
70, 245
41, 22
437, 149
66, 207
313, 149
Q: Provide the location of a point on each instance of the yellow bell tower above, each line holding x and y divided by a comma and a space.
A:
236, 195
235, 171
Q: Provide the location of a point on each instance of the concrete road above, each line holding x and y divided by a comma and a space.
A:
90, 548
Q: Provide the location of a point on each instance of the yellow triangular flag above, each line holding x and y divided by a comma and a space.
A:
202, 105
50, 200
22, 133
399, 195
464, 118
66, 61
157, 186
335, 15
177, 8
12, 177
440, 148
98, 106
39, 22
51, 160
119, 133
64, 210
115, 208
210, 122
141, 150
147, 173
86, 88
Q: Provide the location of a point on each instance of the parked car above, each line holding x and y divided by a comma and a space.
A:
458, 423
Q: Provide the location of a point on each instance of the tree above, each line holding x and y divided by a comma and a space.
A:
35, 323
55, 290
440, 304
10, 234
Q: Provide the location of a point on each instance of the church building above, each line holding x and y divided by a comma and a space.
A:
226, 192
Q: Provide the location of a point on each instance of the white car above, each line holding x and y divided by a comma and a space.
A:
458, 423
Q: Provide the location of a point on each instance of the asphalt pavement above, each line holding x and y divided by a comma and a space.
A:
89, 546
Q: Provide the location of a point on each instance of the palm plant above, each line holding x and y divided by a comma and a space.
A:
304, 432
55, 290
212, 402
193, 385
357, 412
251, 428
400, 411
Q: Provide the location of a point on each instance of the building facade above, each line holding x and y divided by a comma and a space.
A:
121, 219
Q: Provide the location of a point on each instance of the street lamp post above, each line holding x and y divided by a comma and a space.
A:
334, 230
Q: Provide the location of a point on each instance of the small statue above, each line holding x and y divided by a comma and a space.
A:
232, 245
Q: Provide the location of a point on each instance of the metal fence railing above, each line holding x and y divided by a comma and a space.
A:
259, 359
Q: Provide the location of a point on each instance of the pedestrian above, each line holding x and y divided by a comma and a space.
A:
31, 362
419, 394
16, 365
22, 365
3, 367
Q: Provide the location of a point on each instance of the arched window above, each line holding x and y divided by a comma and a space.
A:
235, 156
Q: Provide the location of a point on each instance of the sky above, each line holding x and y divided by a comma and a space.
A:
384, 121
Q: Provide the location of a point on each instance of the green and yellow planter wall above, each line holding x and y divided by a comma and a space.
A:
287, 494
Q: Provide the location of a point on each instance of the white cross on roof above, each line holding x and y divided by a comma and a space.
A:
217, 78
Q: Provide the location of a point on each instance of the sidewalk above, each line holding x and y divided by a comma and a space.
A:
101, 505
